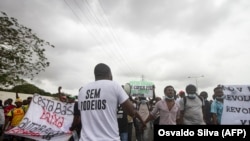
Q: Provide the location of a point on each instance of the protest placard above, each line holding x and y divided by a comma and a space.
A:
141, 88
45, 120
236, 108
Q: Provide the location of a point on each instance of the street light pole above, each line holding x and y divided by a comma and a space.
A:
196, 80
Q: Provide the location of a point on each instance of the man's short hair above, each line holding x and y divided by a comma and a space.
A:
191, 87
168, 86
102, 70
10, 100
217, 88
204, 94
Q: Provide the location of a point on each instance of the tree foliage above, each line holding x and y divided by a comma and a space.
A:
29, 89
22, 52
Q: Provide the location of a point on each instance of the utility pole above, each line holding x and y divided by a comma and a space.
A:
142, 78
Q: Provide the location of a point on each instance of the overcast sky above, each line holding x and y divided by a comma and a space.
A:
166, 41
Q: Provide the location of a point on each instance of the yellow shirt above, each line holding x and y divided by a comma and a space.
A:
17, 115
26, 107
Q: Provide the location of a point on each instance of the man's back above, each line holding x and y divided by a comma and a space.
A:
98, 102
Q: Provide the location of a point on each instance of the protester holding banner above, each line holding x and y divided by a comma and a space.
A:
46, 120
98, 102
15, 116
217, 105
8, 106
61, 96
144, 93
26, 107
76, 125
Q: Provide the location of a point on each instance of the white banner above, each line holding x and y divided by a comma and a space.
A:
45, 120
236, 107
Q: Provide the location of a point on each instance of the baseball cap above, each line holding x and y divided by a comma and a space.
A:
19, 100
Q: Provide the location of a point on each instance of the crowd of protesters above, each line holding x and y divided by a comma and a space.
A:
12, 115
141, 113
13, 111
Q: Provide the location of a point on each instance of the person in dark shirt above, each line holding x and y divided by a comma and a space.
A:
207, 114
122, 124
76, 124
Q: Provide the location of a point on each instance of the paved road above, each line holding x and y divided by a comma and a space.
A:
150, 135
133, 136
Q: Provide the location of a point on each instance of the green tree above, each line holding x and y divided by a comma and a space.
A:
29, 89
22, 52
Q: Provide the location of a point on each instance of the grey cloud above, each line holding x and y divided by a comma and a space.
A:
197, 17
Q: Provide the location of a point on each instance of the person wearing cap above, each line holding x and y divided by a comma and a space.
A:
15, 116
98, 104
181, 94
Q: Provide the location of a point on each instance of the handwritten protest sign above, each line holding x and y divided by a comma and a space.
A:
236, 108
45, 120
141, 88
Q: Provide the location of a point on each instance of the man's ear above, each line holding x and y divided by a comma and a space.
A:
110, 76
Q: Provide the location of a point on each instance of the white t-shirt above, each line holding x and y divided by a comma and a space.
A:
98, 102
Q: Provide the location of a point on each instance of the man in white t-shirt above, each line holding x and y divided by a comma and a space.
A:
191, 107
98, 102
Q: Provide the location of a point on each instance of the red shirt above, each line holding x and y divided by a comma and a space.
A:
8, 108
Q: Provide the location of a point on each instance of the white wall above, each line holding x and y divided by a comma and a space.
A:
5, 95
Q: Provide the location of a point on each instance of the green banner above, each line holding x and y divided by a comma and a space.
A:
141, 88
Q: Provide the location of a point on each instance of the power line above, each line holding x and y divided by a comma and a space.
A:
91, 33
90, 14
115, 37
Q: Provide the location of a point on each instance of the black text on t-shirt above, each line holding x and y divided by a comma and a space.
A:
93, 101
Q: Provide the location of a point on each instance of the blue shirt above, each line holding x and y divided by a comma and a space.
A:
217, 108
